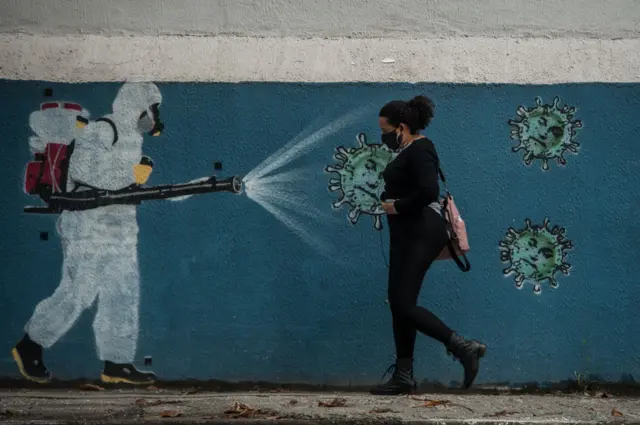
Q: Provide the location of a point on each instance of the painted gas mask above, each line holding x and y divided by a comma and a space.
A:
149, 121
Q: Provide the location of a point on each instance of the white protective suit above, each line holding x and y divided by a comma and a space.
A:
100, 245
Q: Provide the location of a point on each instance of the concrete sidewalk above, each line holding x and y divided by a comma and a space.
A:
93, 405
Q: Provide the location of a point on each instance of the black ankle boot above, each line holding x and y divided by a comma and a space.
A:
401, 381
468, 354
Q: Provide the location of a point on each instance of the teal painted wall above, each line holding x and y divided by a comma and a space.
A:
227, 291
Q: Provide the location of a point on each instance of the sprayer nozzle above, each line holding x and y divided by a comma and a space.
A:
237, 184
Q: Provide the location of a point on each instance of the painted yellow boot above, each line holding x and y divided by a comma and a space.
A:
28, 356
125, 373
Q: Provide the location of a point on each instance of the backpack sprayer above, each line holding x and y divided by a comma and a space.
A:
46, 177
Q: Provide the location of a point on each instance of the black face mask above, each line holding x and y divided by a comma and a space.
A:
392, 140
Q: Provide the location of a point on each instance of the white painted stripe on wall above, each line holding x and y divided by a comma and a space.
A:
326, 18
237, 59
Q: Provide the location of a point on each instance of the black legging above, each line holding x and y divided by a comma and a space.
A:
414, 245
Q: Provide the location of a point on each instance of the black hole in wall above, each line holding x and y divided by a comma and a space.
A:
48, 92
217, 165
148, 361
44, 236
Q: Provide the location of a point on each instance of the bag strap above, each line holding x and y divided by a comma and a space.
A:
440, 172
465, 265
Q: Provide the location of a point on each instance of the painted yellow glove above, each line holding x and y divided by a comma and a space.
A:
142, 171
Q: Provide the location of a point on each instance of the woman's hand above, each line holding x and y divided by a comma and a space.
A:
389, 208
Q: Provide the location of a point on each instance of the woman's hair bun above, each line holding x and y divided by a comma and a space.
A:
425, 108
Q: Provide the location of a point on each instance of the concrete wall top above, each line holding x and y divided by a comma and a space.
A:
326, 18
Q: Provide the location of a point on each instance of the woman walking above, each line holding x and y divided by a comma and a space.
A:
417, 236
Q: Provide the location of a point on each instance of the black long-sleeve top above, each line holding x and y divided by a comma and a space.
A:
411, 179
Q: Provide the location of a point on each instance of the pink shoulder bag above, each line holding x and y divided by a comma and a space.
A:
458, 242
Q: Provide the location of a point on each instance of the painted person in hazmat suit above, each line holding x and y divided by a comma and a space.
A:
100, 245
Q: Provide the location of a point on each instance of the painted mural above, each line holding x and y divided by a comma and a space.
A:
535, 254
92, 173
545, 132
358, 179
147, 259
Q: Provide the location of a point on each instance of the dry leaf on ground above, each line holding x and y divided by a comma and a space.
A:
152, 388
293, 402
242, 410
616, 412
433, 403
170, 414
91, 387
336, 402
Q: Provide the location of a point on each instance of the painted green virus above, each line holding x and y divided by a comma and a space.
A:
359, 179
545, 132
535, 254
